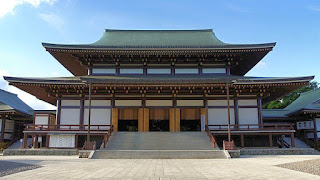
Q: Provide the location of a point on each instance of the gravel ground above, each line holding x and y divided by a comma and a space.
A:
310, 166
7, 167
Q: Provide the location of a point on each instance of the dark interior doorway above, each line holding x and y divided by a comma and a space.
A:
159, 120
128, 119
190, 120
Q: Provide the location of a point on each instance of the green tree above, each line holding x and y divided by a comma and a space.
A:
284, 101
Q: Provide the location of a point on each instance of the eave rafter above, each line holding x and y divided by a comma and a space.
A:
262, 90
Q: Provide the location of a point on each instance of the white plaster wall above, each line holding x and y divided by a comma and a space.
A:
98, 117
131, 71
159, 71
41, 119
98, 103
214, 70
9, 126
187, 71
220, 102
247, 102
70, 117
219, 116
159, 103
70, 102
189, 102
128, 103
104, 71
62, 141
248, 116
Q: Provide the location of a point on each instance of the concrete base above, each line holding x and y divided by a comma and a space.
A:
41, 152
234, 153
277, 151
159, 154
85, 153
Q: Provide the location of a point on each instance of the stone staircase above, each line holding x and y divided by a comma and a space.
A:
155, 145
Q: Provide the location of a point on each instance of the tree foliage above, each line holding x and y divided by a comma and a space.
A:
284, 101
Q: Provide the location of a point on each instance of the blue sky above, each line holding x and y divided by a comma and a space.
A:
24, 24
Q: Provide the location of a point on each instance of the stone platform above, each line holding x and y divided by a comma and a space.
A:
41, 152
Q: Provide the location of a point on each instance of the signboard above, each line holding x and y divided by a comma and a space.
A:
305, 125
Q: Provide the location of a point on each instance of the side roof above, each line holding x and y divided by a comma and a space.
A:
308, 101
146, 39
11, 101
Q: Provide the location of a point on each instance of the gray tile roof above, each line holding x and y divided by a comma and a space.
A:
10, 101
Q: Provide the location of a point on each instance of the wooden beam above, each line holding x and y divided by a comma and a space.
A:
177, 119
242, 140
115, 116
172, 120
140, 119
146, 119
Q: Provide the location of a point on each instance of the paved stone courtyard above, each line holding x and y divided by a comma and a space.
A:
247, 167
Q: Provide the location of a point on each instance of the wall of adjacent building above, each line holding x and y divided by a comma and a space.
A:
9, 128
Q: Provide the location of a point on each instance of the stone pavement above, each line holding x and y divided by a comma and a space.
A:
247, 167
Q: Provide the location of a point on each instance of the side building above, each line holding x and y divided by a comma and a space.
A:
157, 80
304, 112
14, 114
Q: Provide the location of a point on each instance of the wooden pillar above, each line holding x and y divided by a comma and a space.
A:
259, 111
203, 112
115, 116
82, 114
242, 140
36, 141
76, 141
3, 127
236, 113
177, 119
47, 141
145, 119
25, 140
316, 138
282, 142
172, 120
292, 140
140, 119
59, 112
270, 140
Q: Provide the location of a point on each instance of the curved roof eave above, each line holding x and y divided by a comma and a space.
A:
132, 48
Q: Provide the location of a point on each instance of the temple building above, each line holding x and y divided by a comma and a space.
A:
158, 80
14, 114
304, 112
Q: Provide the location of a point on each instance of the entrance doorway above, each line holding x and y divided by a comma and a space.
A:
159, 120
128, 119
190, 119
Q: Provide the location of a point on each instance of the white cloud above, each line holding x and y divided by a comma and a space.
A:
54, 21
236, 8
25, 97
7, 6
313, 8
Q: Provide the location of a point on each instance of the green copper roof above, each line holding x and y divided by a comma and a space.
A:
204, 38
308, 101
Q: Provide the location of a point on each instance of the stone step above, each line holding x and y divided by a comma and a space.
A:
160, 154
159, 141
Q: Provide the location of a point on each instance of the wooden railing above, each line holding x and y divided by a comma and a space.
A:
213, 141
53, 127
107, 136
251, 127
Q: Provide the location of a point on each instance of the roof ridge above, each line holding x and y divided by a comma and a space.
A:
157, 30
